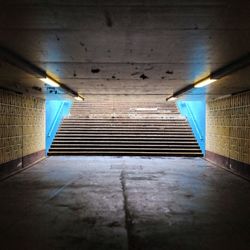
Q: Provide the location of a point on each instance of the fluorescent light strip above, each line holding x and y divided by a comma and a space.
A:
53, 83
171, 99
50, 82
204, 82
78, 98
228, 69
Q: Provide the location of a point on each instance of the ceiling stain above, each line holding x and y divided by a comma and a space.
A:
95, 70
135, 73
143, 77
108, 19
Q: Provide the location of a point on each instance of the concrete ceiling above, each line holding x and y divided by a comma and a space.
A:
129, 47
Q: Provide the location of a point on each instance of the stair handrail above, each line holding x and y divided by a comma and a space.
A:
194, 121
56, 118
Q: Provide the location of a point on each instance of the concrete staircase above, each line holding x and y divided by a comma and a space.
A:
125, 129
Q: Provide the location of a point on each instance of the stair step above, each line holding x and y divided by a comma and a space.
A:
104, 131
124, 129
150, 139
124, 136
166, 123
127, 149
176, 125
128, 153
122, 120
113, 125
128, 131
61, 145
133, 142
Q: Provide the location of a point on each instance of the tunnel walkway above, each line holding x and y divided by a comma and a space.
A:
124, 203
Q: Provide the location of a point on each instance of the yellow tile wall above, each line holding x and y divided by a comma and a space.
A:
22, 125
228, 127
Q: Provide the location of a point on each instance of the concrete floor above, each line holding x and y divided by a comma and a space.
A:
124, 203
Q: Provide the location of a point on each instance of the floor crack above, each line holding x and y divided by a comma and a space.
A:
128, 216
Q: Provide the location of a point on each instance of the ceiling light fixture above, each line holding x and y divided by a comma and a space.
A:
228, 69
50, 82
204, 82
79, 98
25, 65
171, 99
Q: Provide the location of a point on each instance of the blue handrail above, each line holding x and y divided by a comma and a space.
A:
56, 118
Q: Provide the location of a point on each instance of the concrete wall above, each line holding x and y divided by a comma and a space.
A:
228, 132
22, 130
125, 106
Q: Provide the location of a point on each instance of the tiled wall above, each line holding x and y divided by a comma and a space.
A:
228, 127
22, 126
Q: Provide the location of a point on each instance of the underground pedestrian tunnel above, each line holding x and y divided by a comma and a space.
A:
125, 124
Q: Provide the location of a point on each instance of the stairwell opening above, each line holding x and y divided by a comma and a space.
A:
117, 126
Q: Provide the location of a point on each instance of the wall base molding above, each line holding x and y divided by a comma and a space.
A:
12, 167
237, 167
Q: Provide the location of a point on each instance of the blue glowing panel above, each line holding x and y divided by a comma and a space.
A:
195, 112
55, 111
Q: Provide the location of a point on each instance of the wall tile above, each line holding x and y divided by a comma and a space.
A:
228, 127
22, 125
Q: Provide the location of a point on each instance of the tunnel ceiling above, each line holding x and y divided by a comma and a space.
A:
127, 47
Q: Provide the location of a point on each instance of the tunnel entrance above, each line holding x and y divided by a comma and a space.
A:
124, 126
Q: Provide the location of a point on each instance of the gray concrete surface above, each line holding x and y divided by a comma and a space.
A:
126, 47
124, 203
